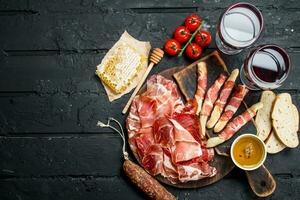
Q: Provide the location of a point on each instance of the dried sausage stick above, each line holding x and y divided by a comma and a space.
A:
146, 182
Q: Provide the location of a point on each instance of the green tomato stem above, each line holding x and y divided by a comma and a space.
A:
191, 38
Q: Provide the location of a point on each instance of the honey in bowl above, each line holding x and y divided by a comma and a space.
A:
248, 152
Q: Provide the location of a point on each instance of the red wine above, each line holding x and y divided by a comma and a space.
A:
269, 65
239, 27
265, 67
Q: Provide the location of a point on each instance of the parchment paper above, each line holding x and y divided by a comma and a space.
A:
143, 47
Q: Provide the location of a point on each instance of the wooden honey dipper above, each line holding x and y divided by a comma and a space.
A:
155, 57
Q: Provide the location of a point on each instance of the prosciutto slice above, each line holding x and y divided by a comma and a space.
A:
186, 147
165, 134
195, 171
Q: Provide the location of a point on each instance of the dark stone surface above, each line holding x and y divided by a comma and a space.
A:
50, 99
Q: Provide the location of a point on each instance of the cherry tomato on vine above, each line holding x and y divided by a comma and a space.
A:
172, 47
193, 51
182, 34
192, 22
203, 38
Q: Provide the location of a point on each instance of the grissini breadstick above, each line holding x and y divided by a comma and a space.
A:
210, 98
231, 108
201, 86
236, 124
221, 102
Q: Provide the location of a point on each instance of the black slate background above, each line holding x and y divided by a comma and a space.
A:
50, 99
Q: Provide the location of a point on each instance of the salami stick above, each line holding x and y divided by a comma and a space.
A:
231, 108
221, 102
210, 98
201, 86
235, 125
146, 182
151, 187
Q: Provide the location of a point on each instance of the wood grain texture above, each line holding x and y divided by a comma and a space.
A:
50, 99
261, 181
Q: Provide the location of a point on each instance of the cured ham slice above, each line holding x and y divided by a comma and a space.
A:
221, 102
146, 108
190, 123
235, 125
195, 171
165, 134
210, 98
231, 108
169, 169
201, 86
164, 92
153, 160
163, 131
142, 141
186, 147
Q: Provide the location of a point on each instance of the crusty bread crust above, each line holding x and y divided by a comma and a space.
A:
283, 120
263, 120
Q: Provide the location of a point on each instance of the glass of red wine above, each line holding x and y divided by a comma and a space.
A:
265, 67
239, 27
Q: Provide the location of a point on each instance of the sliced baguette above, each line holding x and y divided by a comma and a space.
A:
283, 120
263, 120
273, 144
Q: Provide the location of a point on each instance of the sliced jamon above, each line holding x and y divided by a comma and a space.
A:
169, 169
189, 122
142, 141
231, 108
235, 125
146, 108
160, 99
186, 147
221, 102
201, 86
133, 122
210, 98
153, 160
165, 93
207, 154
195, 171
163, 132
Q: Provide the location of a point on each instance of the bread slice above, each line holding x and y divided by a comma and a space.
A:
283, 120
263, 120
296, 118
273, 144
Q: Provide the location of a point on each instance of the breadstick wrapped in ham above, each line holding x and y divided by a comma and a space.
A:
210, 98
235, 125
221, 102
201, 86
231, 108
